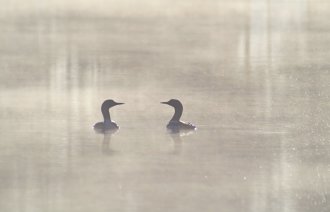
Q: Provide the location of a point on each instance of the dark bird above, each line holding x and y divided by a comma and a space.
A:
175, 124
107, 124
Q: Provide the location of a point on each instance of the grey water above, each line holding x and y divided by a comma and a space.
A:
253, 76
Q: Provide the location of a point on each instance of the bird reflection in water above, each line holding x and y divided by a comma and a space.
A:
176, 136
106, 143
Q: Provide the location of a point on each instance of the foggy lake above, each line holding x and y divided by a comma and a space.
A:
252, 75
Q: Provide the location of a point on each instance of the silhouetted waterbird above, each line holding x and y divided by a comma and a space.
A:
107, 124
175, 124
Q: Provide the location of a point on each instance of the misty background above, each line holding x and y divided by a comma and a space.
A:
252, 75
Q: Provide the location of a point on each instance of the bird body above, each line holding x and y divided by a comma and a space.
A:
180, 125
107, 124
175, 123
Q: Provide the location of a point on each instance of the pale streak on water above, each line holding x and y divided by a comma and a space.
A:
253, 76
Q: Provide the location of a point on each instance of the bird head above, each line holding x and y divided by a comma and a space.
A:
110, 103
173, 102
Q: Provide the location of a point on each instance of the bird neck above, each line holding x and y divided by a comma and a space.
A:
106, 114
177, 114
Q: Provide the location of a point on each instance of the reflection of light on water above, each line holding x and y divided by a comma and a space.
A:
260, 49
71, 85
58, 73
262, 44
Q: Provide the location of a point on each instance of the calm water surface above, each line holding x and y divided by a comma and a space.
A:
252, 75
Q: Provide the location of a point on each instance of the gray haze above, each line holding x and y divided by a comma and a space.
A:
252, 75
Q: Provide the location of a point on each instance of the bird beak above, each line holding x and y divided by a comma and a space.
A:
119, 103
164, 103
